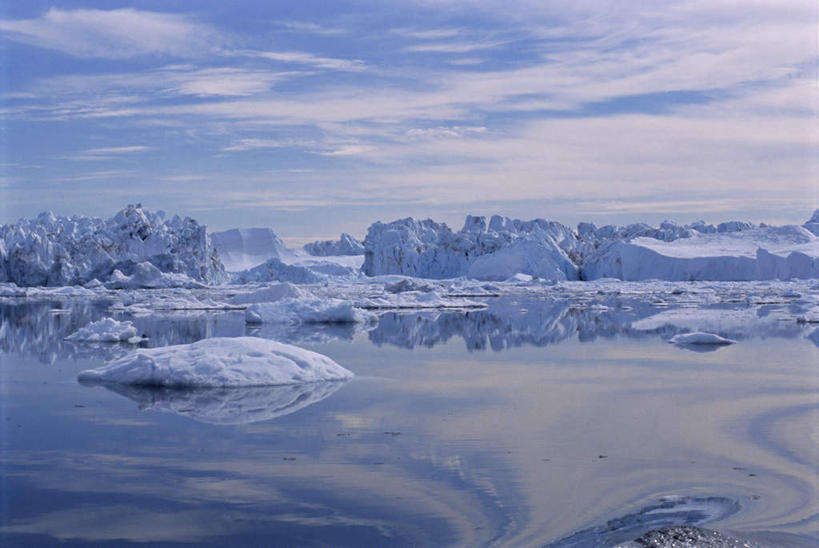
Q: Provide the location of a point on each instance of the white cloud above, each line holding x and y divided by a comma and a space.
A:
114, 34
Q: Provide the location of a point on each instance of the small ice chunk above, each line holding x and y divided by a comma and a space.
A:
219, 362
699, 337
106, 330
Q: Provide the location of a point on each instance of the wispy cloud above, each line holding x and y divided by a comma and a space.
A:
304, 58
312, 28
455, 47
114, 34
106, 153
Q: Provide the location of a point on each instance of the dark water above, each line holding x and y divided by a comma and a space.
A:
528, 424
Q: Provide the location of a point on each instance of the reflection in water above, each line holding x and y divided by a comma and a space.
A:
672, 512
227, 405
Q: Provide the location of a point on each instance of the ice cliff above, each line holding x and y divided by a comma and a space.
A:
55, 251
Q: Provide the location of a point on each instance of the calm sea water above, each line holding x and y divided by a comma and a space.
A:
538, 426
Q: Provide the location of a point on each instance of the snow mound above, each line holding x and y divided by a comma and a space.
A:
699, 337
219, 362
427, 249
274, 270
764, 253
144, 275
58, 251
307, 311
106, 330
243, 248
346, 245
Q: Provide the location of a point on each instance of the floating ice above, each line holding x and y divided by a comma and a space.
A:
219, 362
699, 337
309, 311
275, 270
106, 330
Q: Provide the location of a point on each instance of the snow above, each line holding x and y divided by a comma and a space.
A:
219, 362
699, 337
346, 245
243, 248
106, 330
307, 311
417, 300
270, 293
58, 251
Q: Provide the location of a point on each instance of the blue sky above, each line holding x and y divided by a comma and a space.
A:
320, 117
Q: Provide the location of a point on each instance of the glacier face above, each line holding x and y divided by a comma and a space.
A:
58, 251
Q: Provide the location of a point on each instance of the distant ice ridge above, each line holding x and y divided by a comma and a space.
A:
243, 248
346, 245
730, 251
219, 362
60, 251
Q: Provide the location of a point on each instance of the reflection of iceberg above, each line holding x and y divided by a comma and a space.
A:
228, 405
675, 511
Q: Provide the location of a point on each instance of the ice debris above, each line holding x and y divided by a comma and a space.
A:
219, 362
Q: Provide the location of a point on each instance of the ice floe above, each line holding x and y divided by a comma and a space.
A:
219, 362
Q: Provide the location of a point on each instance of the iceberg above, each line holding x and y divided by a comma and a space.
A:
764, 253
243, 248
307, 311
275, 270
427, 249
106, 330
346, 245
219, 362
60, 251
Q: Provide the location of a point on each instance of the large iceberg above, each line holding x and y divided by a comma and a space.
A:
764, 253
219, 362
428, 249
54, 251
243, 248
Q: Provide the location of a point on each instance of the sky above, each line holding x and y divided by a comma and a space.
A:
317, 117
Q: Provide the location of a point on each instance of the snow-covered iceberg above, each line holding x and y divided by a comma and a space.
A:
700, 338
345, 245
55, 251
219, 362
243, 248
275, 270
764, 253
